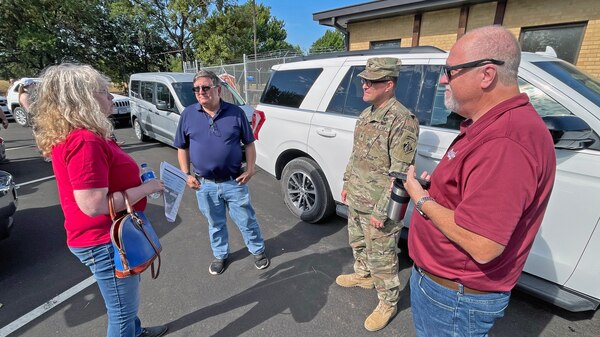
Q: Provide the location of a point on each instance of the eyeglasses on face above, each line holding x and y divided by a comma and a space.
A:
473, 64
204, 88
369, 83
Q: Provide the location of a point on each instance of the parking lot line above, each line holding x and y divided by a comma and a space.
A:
35, 181
42, 309
20, 147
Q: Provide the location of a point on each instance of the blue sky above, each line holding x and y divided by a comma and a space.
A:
297, 14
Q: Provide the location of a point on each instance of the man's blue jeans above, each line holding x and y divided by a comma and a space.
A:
213, 200
439, 311
121, 295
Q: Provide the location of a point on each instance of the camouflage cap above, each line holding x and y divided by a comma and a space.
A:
379, 67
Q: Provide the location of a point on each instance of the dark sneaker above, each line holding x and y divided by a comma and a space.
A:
217, 267
155, 331
261, 261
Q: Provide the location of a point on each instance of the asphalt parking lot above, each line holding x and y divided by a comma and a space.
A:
45, 291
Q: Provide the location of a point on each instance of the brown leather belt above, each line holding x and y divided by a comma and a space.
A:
444, 282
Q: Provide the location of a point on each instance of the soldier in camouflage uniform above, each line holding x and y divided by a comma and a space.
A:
385, 140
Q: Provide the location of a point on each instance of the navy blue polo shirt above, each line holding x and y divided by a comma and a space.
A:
214, 142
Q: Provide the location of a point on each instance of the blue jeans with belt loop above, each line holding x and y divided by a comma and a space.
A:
213, 200
121, 295
439, 311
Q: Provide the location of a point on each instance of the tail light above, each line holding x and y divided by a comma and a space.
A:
258, 119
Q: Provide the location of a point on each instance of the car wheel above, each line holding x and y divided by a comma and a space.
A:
21, 116
305, 190
139, 132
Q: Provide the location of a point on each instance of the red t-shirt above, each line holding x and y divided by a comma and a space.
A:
83, 161
497, 177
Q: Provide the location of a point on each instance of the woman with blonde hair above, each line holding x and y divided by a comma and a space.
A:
70, 119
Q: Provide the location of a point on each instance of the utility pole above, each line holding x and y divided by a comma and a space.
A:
254, 25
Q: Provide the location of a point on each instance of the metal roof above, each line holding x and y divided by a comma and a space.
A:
340, 17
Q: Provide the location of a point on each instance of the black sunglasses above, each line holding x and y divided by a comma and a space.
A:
204, 88
369, 83
473, 64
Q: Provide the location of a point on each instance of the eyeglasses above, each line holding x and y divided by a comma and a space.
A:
473, 64
204, 88
213, 127
369, 83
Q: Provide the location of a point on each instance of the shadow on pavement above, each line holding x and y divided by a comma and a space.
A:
298, 286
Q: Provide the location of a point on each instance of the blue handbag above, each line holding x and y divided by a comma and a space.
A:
134, 241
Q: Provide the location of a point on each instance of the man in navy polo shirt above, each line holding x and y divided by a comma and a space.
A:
209, 135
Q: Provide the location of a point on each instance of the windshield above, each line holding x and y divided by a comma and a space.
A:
183, 90
574, 78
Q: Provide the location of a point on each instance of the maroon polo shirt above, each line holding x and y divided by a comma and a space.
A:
497, 177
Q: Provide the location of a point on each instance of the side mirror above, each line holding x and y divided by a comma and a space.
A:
163, 106
569, 132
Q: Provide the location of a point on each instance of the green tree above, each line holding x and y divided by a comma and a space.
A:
228, 34
175, 18
37, 33
330, 41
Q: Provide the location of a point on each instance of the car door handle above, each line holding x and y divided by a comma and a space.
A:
326, 132
434, 155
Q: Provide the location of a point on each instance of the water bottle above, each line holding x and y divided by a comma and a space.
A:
147, 175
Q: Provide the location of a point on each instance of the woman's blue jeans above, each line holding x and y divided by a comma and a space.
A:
439, 311
213, 200
121, 295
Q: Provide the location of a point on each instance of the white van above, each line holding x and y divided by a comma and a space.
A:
307, 115
158, 99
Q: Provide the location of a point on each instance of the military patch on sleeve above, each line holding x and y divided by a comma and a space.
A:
408, 147
406, 150
409, 142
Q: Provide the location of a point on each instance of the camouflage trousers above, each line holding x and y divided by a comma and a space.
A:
375, 253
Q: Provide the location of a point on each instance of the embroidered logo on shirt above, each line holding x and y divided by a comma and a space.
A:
451, 154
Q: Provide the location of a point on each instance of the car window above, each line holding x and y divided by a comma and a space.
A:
229, 95
544, 104
348, 97
574, 78
547, 106
147, 91
289, 87
134, 89
415, 89
163, 95
184, 92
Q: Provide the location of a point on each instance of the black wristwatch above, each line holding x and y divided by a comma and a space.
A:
420, 203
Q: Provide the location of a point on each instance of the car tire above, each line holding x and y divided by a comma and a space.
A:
21, 116
305, 190
139, 132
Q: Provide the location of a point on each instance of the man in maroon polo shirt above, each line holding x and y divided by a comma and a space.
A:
475, 226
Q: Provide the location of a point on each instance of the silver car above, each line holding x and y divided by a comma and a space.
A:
158, 99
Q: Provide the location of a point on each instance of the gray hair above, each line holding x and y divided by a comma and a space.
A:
207, 73
65, 100
498, 43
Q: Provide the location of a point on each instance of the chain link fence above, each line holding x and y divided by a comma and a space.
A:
251, 74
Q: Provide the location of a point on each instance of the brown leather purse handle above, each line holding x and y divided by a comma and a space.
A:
131, 211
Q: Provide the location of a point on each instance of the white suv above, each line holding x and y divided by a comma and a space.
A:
12, 97
305, 123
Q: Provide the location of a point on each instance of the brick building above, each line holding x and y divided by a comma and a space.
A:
570, 27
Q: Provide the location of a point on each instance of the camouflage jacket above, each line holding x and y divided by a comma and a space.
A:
385, 140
